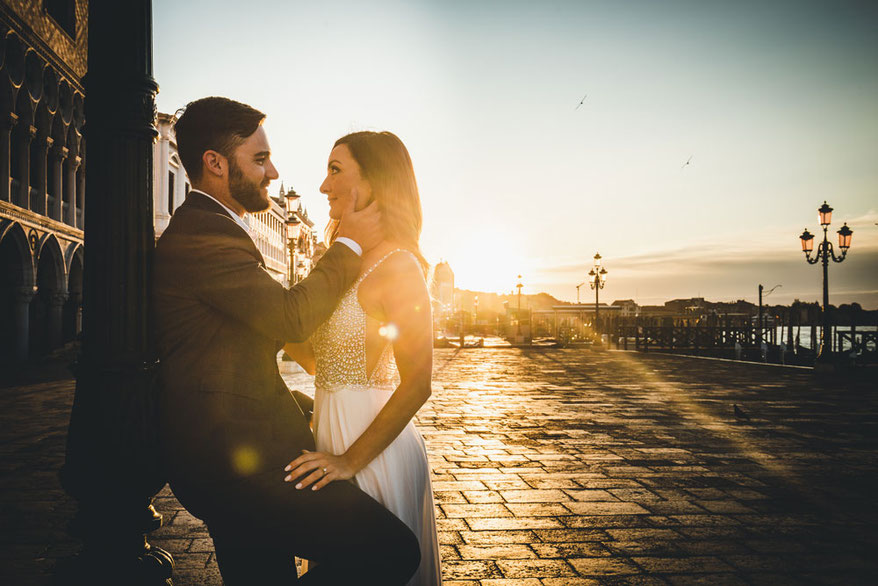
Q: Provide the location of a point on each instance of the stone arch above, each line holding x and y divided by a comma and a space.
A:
78, 111
8, 119
16, 291
51, 83
4, 30
72, 313
65, 101
33, 74
14, 59
7, 97
46, 308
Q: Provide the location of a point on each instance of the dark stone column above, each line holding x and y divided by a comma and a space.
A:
6, 126
80, 196
21, 298
39, 193
69, 189
112, 466
56, 317
56, 159
26, 134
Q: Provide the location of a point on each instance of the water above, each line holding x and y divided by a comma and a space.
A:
804, 334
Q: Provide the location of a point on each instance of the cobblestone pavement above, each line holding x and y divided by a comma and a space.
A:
567, 467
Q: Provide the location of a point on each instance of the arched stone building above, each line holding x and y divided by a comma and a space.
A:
42, 174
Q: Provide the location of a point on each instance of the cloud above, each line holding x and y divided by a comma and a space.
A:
721, 273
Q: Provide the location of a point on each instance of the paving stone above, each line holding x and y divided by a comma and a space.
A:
449, 496
707, 580
453, 511
450, 537
511, 582
605, 508
535, 568
481, 524
592, 495
691, 565
482, 496
537, 509
469, 570
495, 552
534, 496
497, 537
603, 566
570, 550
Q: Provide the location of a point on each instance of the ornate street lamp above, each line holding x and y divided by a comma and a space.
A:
518, 315
476, 318
824, 253
293, 225
597, 278
291, 199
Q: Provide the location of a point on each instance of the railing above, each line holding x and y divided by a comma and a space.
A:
742, 341
858, 342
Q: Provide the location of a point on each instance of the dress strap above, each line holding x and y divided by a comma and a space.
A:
381, 260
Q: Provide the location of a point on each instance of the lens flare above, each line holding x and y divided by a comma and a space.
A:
389, 331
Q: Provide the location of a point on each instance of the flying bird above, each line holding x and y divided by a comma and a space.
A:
581, 102
687, 162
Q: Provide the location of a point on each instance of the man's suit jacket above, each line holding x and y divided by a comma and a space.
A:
226, 415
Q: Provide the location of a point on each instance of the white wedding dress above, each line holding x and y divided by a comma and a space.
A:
346, 401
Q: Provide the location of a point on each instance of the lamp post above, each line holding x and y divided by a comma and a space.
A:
824, 253
577, 292
597, 280
760, 326
518, 314
476, 318
293, 224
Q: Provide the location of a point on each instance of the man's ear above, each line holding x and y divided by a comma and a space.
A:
214, 163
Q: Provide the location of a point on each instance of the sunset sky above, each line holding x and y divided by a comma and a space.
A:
776, 103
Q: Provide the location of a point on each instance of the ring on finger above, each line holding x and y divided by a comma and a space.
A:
324, 470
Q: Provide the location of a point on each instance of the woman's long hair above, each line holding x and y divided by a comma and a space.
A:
385, 163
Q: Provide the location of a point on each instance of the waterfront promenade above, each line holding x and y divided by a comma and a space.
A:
567, 467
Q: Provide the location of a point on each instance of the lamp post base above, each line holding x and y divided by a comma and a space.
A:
116, 554
825, 362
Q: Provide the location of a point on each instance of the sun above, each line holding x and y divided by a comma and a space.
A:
489, 262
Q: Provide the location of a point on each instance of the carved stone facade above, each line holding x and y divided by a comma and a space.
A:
270, 236
170, 183
42, 174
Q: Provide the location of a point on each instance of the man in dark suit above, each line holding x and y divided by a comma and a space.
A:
229, 425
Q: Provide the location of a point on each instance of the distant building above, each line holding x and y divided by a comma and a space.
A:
42, 175
442, 288
627, 307
170, 183
270, 235
684, 306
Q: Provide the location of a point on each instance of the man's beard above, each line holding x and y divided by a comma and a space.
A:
246, 192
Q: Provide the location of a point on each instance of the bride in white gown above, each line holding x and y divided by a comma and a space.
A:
373, 357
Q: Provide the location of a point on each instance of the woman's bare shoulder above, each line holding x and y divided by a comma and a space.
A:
400, 274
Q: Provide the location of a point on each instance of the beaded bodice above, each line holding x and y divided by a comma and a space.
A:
340, 346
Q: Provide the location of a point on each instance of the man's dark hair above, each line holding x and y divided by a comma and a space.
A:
213, 123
